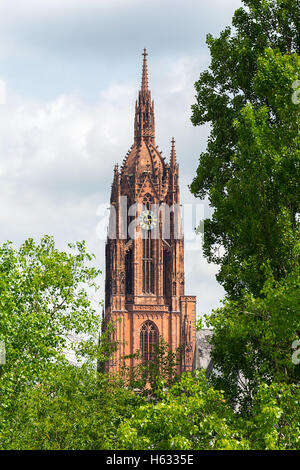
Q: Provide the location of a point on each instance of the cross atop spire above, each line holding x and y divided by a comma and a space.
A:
145, 72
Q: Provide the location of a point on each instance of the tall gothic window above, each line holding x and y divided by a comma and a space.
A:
148, 252
148, 340
129, 204
148, 264
129, 271
167, 271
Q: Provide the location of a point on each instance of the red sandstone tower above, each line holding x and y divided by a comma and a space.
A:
145, 248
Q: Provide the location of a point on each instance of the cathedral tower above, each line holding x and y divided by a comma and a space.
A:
144, 287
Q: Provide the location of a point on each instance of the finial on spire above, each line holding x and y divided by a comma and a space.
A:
173, 152
145, 72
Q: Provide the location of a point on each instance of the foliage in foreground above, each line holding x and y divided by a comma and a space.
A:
192, 415
78, 409
52, 404
253, 338
44, 302
73, 408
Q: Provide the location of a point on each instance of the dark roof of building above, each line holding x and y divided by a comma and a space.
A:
202, 354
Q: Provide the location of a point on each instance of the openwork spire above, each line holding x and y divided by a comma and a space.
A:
145, 73
144, 126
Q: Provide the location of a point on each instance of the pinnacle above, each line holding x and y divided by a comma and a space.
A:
173, 152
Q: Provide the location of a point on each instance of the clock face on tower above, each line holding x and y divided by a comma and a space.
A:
147, 220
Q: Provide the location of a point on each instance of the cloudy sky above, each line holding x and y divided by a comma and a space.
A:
70, 71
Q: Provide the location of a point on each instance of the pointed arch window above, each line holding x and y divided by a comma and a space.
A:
148, 263
148, 253
167, 272
148, 340
129, 271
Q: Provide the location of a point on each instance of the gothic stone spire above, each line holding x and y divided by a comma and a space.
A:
144, 125
145, 73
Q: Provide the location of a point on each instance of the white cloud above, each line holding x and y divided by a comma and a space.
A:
2, 92
56, 29
57, 148
56, 163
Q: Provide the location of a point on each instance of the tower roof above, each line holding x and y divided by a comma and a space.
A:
143, 155
144, 158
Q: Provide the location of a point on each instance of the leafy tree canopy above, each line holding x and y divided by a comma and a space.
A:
44, 300
250, 169
253, 338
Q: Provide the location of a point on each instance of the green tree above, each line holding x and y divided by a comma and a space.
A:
250, 169
191, 415
44, 300
275, 420
72, 408
252, 341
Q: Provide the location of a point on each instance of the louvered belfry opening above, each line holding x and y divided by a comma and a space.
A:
148, 268
129, 271
148, 254
148, 340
